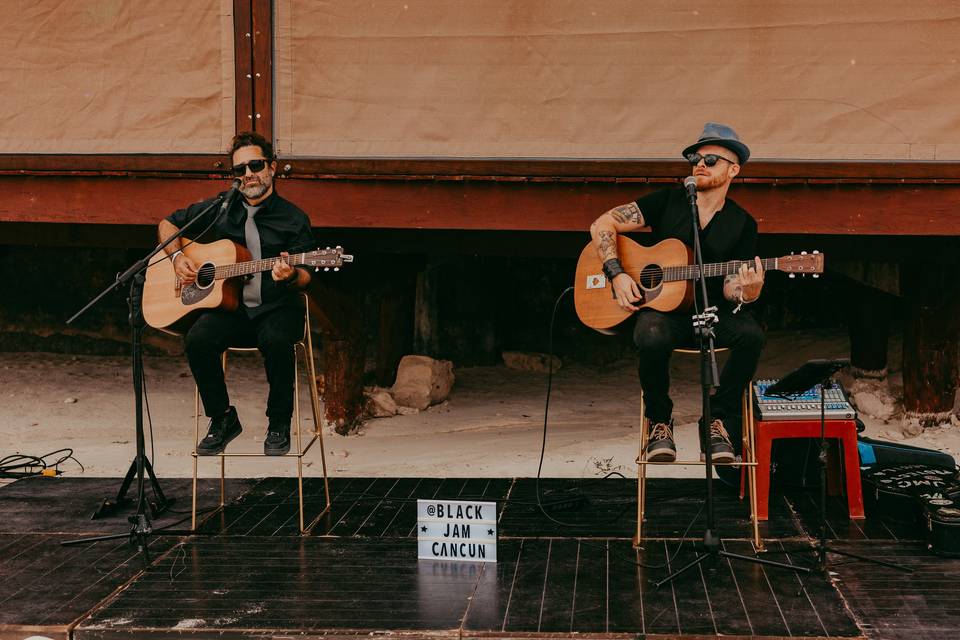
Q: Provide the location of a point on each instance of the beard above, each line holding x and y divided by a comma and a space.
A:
254, 190
709, 183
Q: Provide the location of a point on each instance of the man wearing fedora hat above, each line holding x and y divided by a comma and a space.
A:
727, 232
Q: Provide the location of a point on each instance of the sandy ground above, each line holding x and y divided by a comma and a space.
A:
491, 426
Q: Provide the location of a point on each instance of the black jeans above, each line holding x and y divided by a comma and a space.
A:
273, 333
657, 334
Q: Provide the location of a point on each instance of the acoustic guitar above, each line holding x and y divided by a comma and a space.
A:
665, 276
170, 306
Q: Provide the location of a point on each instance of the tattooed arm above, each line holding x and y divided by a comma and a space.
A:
744, 286
604, 232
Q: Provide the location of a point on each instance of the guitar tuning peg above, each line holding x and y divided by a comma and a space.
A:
316, 269
336, 268
793, 275
338, 248
815, 252
816, 275
328, 247
803, 253
326, 268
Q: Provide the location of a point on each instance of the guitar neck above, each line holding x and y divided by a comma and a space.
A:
711, 269
255, 266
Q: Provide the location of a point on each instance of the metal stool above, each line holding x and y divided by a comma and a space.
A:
748, 460
302, 348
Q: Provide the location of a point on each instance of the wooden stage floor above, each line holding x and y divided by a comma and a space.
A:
247, 574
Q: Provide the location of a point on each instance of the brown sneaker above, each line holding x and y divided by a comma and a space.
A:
660, 446
721, 449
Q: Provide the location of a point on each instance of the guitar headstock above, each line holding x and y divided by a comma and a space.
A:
802, 263
326, 259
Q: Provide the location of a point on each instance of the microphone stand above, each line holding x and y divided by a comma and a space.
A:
703, 324
140, 522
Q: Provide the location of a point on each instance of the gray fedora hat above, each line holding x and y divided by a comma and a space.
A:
722, 135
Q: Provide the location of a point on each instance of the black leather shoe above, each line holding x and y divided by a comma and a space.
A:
660, 446
219, 434
721, 449
277, 442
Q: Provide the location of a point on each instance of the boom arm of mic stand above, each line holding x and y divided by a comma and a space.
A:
143, 263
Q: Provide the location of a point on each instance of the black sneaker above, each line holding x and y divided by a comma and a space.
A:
219, 434
277, 442
660, 446
721, 449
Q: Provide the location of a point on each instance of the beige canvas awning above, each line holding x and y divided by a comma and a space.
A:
88, 76
821, 79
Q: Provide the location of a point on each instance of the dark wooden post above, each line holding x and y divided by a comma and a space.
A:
426, 339
396, 329
870, 315
339, 315
931, 339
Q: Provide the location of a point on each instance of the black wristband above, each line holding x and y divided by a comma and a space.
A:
612, 268
292, 279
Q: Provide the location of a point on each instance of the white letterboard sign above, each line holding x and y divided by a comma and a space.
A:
457, 530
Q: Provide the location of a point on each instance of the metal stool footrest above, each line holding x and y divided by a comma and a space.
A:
748, 463
304, 349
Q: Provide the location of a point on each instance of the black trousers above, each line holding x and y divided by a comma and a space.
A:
657, 334
274, 333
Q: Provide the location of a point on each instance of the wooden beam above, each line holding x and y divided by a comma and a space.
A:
621, 168
108, 164
243, 64
262, 65
457, 168
551, 205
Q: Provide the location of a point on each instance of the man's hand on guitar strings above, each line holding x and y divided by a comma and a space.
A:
281, 270
751, 279
627, 292
185, 269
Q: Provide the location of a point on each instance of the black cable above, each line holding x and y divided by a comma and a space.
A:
546, 413
543, 446
30, 465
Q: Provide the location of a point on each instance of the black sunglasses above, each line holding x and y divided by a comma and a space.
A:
255, 167
709, 159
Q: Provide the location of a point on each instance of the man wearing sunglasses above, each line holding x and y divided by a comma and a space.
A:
270, 316
727, 232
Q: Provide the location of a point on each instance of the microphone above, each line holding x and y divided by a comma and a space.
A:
690, 184
231, 195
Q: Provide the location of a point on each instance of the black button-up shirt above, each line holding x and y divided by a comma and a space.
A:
730, 235
282, 227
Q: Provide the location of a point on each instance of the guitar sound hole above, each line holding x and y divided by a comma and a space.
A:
205, 275
651, 276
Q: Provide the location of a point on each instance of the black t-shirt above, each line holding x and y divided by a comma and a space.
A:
730, 235
282, 227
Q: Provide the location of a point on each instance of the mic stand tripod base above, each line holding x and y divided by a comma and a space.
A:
110, 507
823, 550
713, 553
810, 374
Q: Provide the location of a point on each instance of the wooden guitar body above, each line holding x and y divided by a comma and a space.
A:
169, 307
593, 293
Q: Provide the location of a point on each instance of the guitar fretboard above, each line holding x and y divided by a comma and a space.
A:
691, 272
255, 266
